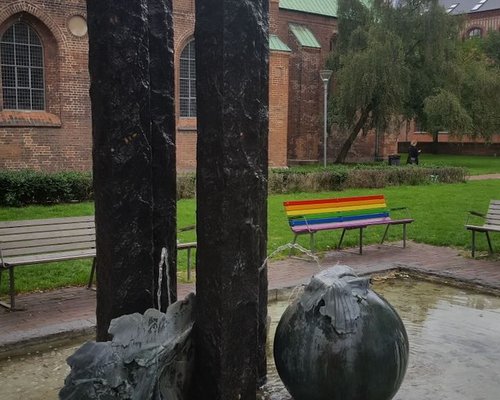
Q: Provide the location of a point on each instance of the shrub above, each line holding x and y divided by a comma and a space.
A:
19, 188
186, 185
290, 180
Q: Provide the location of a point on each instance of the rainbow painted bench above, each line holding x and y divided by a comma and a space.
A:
346, 213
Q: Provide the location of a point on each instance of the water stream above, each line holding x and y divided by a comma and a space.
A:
454, 348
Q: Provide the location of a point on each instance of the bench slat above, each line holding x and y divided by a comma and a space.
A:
351, 224
46, 228
334, 209
53, 257
333, 204
45, 235
46, 221
483, 228
49, 249
335, 200
299, 222
47, 242
338, 214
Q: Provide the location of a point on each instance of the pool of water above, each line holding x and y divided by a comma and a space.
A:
454, 348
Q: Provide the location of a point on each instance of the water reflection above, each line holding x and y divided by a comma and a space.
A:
454, 348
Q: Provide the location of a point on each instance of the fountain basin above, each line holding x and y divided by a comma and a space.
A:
453, 334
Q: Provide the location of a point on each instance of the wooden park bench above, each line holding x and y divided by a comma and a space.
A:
346, 213
491, 224
29, 242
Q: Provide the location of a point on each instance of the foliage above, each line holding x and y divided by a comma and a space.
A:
479, 88
289, 180
18, 188
444, 112
491, 46
186, 186
405, 60
317, 179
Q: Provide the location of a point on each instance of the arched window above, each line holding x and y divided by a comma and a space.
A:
187, 85
475, 32
21, 60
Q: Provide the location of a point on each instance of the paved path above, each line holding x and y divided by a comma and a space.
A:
68, 312
482, 177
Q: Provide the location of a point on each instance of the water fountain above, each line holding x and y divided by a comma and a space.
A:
153, 355
340, 340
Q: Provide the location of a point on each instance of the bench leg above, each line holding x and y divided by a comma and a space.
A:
312, 243
404, 236
92, 271
473, 249
489, 242
385, 234
189, 263
360, 240
12, 289
341, 239
293, 244
12, 292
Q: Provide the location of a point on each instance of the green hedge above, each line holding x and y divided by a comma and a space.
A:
18, 188
342, 177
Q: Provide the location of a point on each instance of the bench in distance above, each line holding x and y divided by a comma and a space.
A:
31, 242
346, 213
491, 224
40, 241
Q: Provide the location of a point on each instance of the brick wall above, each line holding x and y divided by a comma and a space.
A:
486, 20
305, 114
278, 108
58, 139
278, 95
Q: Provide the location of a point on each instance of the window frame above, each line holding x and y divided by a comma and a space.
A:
471, 33
187, 62
31, 88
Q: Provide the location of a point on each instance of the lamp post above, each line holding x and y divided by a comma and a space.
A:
325, 75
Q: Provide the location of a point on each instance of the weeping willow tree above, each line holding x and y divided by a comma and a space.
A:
470, 103
388, 60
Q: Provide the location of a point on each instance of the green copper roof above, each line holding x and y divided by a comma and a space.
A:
276, 44
327, 8
304, 36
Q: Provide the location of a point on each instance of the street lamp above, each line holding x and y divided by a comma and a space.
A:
325, 75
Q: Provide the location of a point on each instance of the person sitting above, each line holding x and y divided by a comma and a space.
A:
413, 153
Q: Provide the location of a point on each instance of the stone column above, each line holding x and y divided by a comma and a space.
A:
124, 163
161, 48
232, 103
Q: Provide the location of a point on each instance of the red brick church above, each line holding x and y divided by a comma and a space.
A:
45, 121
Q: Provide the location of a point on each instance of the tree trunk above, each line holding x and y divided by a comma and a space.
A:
353, 135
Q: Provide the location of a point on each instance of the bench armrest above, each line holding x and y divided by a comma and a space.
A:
473, 214
186, 228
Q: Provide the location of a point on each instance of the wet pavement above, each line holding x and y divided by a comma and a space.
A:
70, 312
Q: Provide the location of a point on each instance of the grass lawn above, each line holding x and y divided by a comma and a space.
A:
439, 210
476, 165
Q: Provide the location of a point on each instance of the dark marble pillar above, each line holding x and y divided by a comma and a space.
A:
126, 169
161, 48
232, 97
